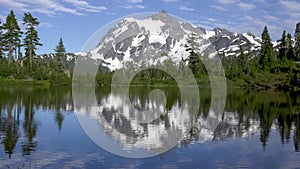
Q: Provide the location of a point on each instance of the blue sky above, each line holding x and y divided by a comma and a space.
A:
76, 20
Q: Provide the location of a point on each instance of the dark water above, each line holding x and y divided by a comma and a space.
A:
258, 129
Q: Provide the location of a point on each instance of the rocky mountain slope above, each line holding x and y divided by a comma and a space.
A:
160, 37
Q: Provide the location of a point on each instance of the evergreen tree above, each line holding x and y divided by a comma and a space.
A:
60, 50
31, 39
233, 71
282, 46
242, 60
266, 59
1, 39
289, 47
12, 35
297, 44
194, 57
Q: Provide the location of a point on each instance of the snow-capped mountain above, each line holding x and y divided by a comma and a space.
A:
161, 37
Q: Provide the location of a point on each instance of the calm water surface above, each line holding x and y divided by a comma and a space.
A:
258, 129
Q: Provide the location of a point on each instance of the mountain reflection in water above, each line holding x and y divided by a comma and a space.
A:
247, 112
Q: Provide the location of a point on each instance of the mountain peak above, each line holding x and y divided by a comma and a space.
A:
163, 11
145, 40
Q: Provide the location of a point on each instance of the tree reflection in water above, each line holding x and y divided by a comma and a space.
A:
18, 106
247, 112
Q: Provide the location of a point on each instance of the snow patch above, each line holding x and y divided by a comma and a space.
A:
251, 39
137, 40
209, 34
226, 36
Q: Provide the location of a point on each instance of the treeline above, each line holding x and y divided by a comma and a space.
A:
17, 65
270, 68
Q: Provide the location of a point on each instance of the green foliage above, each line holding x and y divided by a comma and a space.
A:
265, 70
31, 39
1, 40
59, 78
239, 66
153, 77
297, 43
60, 50
282, 46
103, 78
266, 59
28, 69
195, 60
11, 37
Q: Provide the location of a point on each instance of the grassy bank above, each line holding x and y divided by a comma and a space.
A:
5, 81
260, 81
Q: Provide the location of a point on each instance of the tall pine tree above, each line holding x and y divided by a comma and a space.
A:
282, 46
12, 35
289, 47
242, 60
192, 47
31, 40
297, 44
266, 59
1, 40
60, 50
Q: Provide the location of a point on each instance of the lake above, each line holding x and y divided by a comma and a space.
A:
40, 127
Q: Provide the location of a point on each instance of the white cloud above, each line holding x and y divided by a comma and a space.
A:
261, 1
171, 0
126, 6
132, 7
45, 7
184, 8
140, 6
78, 2
211, 23
227, 1
270, 17
110, 13
292, 11
291, 8
51, 7
211, 19
193, 21
45, 25
245, 6
135, 1
256, 24
290, 5
217, 7
85, 6
13, 4
43, 11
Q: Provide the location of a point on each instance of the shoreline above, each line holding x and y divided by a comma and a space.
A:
229, 84
17, 82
